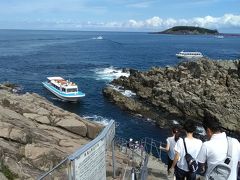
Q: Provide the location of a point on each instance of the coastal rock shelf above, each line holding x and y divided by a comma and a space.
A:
35, 135
190, 90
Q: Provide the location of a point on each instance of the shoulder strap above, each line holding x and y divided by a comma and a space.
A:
229, 151
185, 145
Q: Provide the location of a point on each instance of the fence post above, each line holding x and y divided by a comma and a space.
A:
113, 158
70, 170
133, 174
145, 145
160, 152
151, 147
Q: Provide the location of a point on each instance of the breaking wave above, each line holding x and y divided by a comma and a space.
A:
98, 119
110, 73
125, 92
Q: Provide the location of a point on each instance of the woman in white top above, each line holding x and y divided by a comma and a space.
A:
193, 146
171, 141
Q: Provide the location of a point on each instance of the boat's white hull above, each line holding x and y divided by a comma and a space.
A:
189, 56
72, 98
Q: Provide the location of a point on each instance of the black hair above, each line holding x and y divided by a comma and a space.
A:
176, 132
189, 126
212, 123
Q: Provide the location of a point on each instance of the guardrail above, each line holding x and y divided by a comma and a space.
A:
142, 150
76, 165
92, 154
152, 147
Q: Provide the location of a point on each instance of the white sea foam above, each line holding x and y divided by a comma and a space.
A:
125, 92
128, 93
110, 73
200, 130
149, 120
98, 38
175, 122
138, 115
99, 119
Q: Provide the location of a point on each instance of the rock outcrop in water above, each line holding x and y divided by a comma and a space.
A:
35, 135
191, 90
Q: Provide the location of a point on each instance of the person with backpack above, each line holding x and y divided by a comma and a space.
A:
220, 155
186, 150
171, 142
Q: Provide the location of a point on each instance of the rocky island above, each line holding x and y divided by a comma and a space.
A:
189, 30
190, 90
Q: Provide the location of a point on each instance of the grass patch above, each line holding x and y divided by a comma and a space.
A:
7, 172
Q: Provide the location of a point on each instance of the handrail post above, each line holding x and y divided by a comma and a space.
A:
151, 147
145, 144
160, 152
113, 158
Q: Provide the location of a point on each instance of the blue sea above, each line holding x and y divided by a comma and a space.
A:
28, 57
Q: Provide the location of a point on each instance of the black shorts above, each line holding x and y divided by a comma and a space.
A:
169, 163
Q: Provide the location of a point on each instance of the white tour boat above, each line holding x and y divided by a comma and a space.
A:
64, 89
189, 55
220, 36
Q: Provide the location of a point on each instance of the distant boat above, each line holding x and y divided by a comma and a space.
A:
220, 36
64, 89
99, 38
189, 55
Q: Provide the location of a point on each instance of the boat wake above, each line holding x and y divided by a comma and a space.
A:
56, 99
99, 119
125, 92
110, 73
98, 38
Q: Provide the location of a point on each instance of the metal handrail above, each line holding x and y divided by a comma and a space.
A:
73, 156
149, 146
153, 145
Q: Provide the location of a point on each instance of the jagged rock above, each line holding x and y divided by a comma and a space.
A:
35, 135
92, 130
73, 125
185, 91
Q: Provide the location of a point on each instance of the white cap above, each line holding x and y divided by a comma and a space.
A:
130, 139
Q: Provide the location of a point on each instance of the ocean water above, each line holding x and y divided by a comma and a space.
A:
28, 57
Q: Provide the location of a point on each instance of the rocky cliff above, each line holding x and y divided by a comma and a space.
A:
190, 90
35, 135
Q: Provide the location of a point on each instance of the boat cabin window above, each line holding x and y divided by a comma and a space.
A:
72, 90
63, 89
55, 86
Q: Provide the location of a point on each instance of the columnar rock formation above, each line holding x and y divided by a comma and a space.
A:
191, 90
36, 135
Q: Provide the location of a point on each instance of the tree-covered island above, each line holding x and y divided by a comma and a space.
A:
189, 30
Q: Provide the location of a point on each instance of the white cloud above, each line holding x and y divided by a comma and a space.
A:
226, 21
157, 23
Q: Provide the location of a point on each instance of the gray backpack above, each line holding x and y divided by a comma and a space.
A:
222, 170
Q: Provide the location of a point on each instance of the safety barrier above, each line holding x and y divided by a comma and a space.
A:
140, 150
88, 161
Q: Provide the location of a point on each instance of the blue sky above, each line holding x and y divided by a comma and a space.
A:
119, 15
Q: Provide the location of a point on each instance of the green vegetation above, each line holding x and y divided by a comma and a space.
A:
7, 172
191, 30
